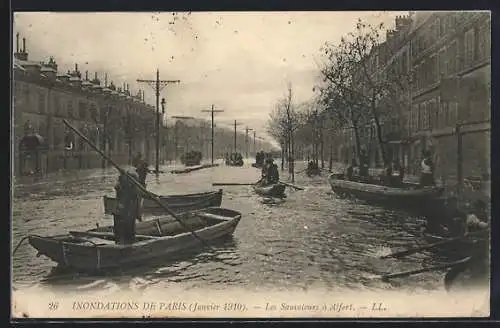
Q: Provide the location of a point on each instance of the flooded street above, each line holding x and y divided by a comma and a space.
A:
312, 239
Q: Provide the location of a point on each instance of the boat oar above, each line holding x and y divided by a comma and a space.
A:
291, 185
433, 268
151, 195
429, 246
232, 184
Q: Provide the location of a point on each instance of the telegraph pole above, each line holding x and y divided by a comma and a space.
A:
235, 124
254, 149
158, 85
212, 111
246, 141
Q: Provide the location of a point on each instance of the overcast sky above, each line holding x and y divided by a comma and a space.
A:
240, 62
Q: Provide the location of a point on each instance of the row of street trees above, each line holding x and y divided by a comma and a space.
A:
363, 87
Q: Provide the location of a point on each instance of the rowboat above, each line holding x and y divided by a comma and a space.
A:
273, 190
406, 195
458, 248
95, 250
177, 203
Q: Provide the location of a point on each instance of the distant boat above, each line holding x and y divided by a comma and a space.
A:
177, 203
407, 196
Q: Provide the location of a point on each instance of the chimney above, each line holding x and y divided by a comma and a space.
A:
106, 79
17, 42
24, 45
76, 68
86, 75
95, 76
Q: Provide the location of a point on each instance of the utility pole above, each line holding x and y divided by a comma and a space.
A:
212, 111
246, 140
254, 149
158, 85
235, 124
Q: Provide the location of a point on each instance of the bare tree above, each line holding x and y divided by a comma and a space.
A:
361, 83
282, 125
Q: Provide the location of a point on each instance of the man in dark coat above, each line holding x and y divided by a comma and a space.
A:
127, 206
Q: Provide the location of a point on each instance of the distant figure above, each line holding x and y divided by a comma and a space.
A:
427, 170
265, 171
350, 172
363, 164
401, 172
127, 196
273, 175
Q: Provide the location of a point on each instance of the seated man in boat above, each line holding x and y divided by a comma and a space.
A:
127, 197
273, 175
427, 170
264, 172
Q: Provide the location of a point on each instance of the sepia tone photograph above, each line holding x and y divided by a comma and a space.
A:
251, 164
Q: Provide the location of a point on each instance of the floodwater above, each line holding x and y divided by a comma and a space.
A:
312, 239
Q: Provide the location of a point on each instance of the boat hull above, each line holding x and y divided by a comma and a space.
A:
168, 238
274, 190
177, 203
409, 196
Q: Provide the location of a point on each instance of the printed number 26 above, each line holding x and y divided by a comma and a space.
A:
53, 306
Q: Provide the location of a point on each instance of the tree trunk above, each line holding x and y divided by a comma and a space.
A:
358, 142
283, 154
322, 147
292, 159
379, 133
330, 163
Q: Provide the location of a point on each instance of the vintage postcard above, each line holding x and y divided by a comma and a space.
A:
251, 164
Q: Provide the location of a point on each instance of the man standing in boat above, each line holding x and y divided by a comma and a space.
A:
127, 196
427, 170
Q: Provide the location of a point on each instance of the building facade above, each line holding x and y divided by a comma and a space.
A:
450, 113
111, 117
445, 106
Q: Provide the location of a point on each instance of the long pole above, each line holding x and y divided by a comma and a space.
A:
158, 85
212, 111
157, 164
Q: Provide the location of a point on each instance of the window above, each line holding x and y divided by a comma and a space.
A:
70, 108
452, 113
434, 115
26, 94
443, 114
56, 103
442, 63
41, 102
484, 42
443, 25
42, 129
469, 48
452, 51
58, 136
93, 113
82, 110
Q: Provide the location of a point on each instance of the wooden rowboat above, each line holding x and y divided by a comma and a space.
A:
178, 203
274, 190
95, 250
407, 195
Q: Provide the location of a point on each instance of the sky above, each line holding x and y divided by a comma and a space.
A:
240, 62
